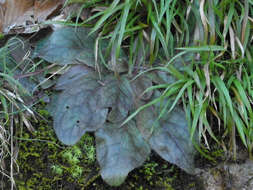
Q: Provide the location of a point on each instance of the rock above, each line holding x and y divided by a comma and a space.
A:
242, 175
211, 178
228, 176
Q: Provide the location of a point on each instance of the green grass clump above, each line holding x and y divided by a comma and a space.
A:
14, 111
205, 45
143, 27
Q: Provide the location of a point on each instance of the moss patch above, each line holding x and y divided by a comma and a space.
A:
47, 164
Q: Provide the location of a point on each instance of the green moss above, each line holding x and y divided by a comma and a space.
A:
192, 185
45, 163
57, 169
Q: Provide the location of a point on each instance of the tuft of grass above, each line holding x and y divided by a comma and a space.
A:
215, 83
140, 26
14, 112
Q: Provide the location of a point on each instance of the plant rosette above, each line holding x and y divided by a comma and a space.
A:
101, 102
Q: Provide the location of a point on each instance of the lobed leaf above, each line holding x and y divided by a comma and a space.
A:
118, 95
140, 85
67, 45
120, 150
84, 102
77, 108
171, 140
169, 136
76, 112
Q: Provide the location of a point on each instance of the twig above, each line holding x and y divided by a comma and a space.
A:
33, 73
11, 174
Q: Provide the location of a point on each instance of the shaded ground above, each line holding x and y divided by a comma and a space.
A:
46, 164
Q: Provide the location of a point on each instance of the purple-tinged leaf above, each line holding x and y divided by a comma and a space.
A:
119, 151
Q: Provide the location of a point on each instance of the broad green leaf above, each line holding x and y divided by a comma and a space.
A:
139, 85
119, 151
161, 77
77, 108
121, 65
67, 45
85, 100
77, 111
146, 121
76, 76
169, 136
117, 94
172, 141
